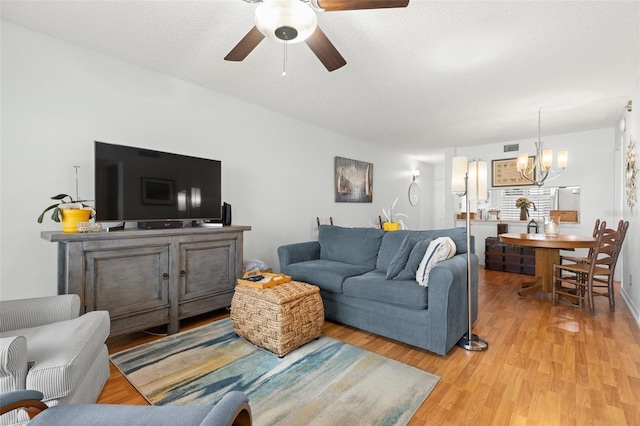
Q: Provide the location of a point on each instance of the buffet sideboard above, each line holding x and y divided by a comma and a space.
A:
147, 278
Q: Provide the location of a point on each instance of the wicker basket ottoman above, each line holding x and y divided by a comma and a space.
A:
279, 319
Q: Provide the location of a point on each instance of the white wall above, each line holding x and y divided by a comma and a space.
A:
596, 163
592, 157
277, 172
631, 251
588, 152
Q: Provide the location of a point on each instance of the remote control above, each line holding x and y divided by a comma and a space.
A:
254, 278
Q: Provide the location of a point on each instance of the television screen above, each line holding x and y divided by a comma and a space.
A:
136, 184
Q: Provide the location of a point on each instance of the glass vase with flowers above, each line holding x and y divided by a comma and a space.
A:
524, 204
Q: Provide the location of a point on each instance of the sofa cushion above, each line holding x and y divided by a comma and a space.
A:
416, 256
374, 286
63, 351
326, 274
402, 255
357, 246
440, 249
391, 242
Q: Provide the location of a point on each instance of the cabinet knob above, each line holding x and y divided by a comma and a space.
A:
183, 273
165, 275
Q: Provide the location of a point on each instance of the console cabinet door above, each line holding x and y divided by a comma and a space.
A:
207, 274
131, 282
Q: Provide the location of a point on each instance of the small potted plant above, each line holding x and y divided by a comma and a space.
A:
393, 223
70, 211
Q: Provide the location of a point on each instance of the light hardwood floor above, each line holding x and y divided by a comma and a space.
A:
545, 365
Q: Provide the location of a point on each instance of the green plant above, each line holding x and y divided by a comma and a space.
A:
62, 205
391, 217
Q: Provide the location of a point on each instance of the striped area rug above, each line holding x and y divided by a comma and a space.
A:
325, 382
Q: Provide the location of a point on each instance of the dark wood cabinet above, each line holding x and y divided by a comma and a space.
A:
499, 256
151, 277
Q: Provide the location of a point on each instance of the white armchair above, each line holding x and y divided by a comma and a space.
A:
46, 346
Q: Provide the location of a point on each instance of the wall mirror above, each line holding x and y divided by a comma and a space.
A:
565, 199
414, 194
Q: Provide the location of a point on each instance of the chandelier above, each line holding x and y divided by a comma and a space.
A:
537, 171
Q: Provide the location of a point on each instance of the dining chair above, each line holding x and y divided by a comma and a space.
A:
582, 259
585, 279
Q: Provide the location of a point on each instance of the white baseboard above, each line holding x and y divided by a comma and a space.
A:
635, 311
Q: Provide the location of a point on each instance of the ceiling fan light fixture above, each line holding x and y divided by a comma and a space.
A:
285, 20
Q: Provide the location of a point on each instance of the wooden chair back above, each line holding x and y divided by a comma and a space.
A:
580, 279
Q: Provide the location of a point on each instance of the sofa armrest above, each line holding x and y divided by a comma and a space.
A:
14, 400
13, 363
298, 252
26, 313
448, 300
232, 409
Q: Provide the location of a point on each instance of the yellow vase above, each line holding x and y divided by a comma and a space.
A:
71, 217
391, 226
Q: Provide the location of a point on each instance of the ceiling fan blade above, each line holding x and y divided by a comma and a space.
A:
245, 46
325, 50
336, 5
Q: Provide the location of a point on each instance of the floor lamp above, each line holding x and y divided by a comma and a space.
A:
469, 180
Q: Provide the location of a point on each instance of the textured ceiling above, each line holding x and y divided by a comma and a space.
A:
433, 75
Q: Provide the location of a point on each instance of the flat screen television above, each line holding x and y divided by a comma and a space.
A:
143, 185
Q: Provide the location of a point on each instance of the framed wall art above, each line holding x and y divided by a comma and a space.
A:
505, 173
353, 181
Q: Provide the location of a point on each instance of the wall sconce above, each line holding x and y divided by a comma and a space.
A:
415, 174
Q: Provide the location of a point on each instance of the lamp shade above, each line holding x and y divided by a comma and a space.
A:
478, 180
547, 159
459, 169
285, 20
563, 157
522, 162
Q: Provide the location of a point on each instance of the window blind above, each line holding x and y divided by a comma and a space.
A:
541, 197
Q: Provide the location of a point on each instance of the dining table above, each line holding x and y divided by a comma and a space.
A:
547, 253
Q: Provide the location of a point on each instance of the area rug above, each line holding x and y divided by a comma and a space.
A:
325, 382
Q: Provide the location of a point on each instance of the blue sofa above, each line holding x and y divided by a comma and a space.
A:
350, 266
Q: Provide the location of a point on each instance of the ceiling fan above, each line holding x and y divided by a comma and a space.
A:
293, 21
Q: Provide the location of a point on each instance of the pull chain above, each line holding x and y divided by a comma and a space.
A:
284, 60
